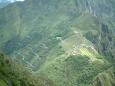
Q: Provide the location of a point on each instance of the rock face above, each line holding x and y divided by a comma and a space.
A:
69, 41
104, 41
100, 9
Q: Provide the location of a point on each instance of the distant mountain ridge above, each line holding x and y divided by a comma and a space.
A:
69, 41
4, 3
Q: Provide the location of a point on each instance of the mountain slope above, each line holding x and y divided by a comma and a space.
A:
12, 73
106, 78
81, 62
70, 41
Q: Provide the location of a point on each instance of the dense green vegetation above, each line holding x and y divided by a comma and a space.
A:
105, 78
61, 42
12, 73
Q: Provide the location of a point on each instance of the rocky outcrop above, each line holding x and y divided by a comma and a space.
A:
29, 31
100, 9
104, 42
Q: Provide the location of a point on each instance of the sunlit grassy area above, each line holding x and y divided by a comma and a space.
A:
64, 42
2, 83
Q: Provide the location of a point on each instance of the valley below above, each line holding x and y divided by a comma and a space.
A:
57, 43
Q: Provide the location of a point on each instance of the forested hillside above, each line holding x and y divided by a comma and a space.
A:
65, 42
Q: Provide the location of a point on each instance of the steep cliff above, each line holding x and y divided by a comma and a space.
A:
72, 42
